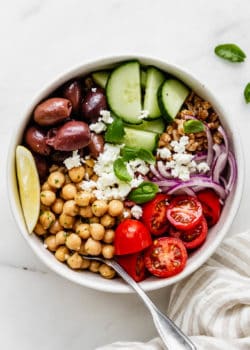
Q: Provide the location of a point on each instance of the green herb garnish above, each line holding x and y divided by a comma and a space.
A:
130, 153
230, 52
247, 93
115, 131
120, 170
193, 126
144, 192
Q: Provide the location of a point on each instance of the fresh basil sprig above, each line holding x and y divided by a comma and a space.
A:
193, 126
247, 93
130, 153
121, 171
144, 192
230, 52
115, 131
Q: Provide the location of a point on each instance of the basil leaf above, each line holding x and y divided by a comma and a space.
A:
130, 153
192, 126
230, 52
247, 93
115, 131
144, 192
120, 170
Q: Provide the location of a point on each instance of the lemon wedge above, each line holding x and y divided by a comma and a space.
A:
29, 186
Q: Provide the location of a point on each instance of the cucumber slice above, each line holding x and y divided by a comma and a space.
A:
143, 78
171, 96
154, 80
101, 78
140, 138
123, 92
157, 126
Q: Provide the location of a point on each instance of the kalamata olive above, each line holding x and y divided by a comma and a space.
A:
52, 111
96, 145
35, 138
70, 136
41, 165
72, 91
93, 103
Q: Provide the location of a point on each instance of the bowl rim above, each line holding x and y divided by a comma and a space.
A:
91, 65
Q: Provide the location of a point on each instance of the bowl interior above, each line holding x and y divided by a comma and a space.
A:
216, 233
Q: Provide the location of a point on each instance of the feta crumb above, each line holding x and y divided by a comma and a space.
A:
98, 127
143, 114
73, 161
94, 89
126, 214
88, 185
163, 153
136, 211
106, 117
203, 167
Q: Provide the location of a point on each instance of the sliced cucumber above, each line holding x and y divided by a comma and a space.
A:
157, 126
154, 80
140, 138
123, 92
143, 78
171, 96
101, 78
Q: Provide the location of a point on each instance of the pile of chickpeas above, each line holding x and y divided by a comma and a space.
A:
73, 223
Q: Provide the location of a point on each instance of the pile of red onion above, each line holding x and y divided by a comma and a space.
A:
221, 176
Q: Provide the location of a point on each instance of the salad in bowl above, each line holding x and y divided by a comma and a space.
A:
126, 160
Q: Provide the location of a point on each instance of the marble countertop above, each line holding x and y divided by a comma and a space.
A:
39, 39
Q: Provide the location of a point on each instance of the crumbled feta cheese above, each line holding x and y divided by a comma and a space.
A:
139, 165
94, 89
98, 127
136, 211
143, 114
73, 161
183, 158
163, 153
106, 117
203, 167
88, 185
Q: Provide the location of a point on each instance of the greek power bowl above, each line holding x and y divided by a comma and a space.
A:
126, 158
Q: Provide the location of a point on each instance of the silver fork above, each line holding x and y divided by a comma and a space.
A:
173, 338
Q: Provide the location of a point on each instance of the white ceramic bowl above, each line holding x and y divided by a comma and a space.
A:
216, 233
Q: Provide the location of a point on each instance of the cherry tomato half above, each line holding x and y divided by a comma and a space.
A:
154, 215
131, 236
134, 264
191, 238
210, 205
184, 212
166, 257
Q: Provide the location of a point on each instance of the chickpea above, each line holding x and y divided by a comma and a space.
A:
73, 241
47, 187
108, 251
82, 250
115, 207
83, 198
62, 253
85, 264
90, 162
68, 191
99, 207
83, 230
70, 208
47, 197
39, 230
61, 237
86, 212
88, 172
94, 266
106, 271
77, 174
56, 179
109, 236
50, 242
57, 206
75, 261
46, 219
108, 221
94, 177
66, 221
93, 247
55, 227
67, 179
96, 231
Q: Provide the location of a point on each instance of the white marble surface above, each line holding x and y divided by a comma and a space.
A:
39, 39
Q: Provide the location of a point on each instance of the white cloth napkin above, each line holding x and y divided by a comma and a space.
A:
212, 306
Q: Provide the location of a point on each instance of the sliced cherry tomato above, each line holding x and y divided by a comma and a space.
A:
184, 212
166, 257
131, 236
210, 205
134, 264
154, 215
191, 238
